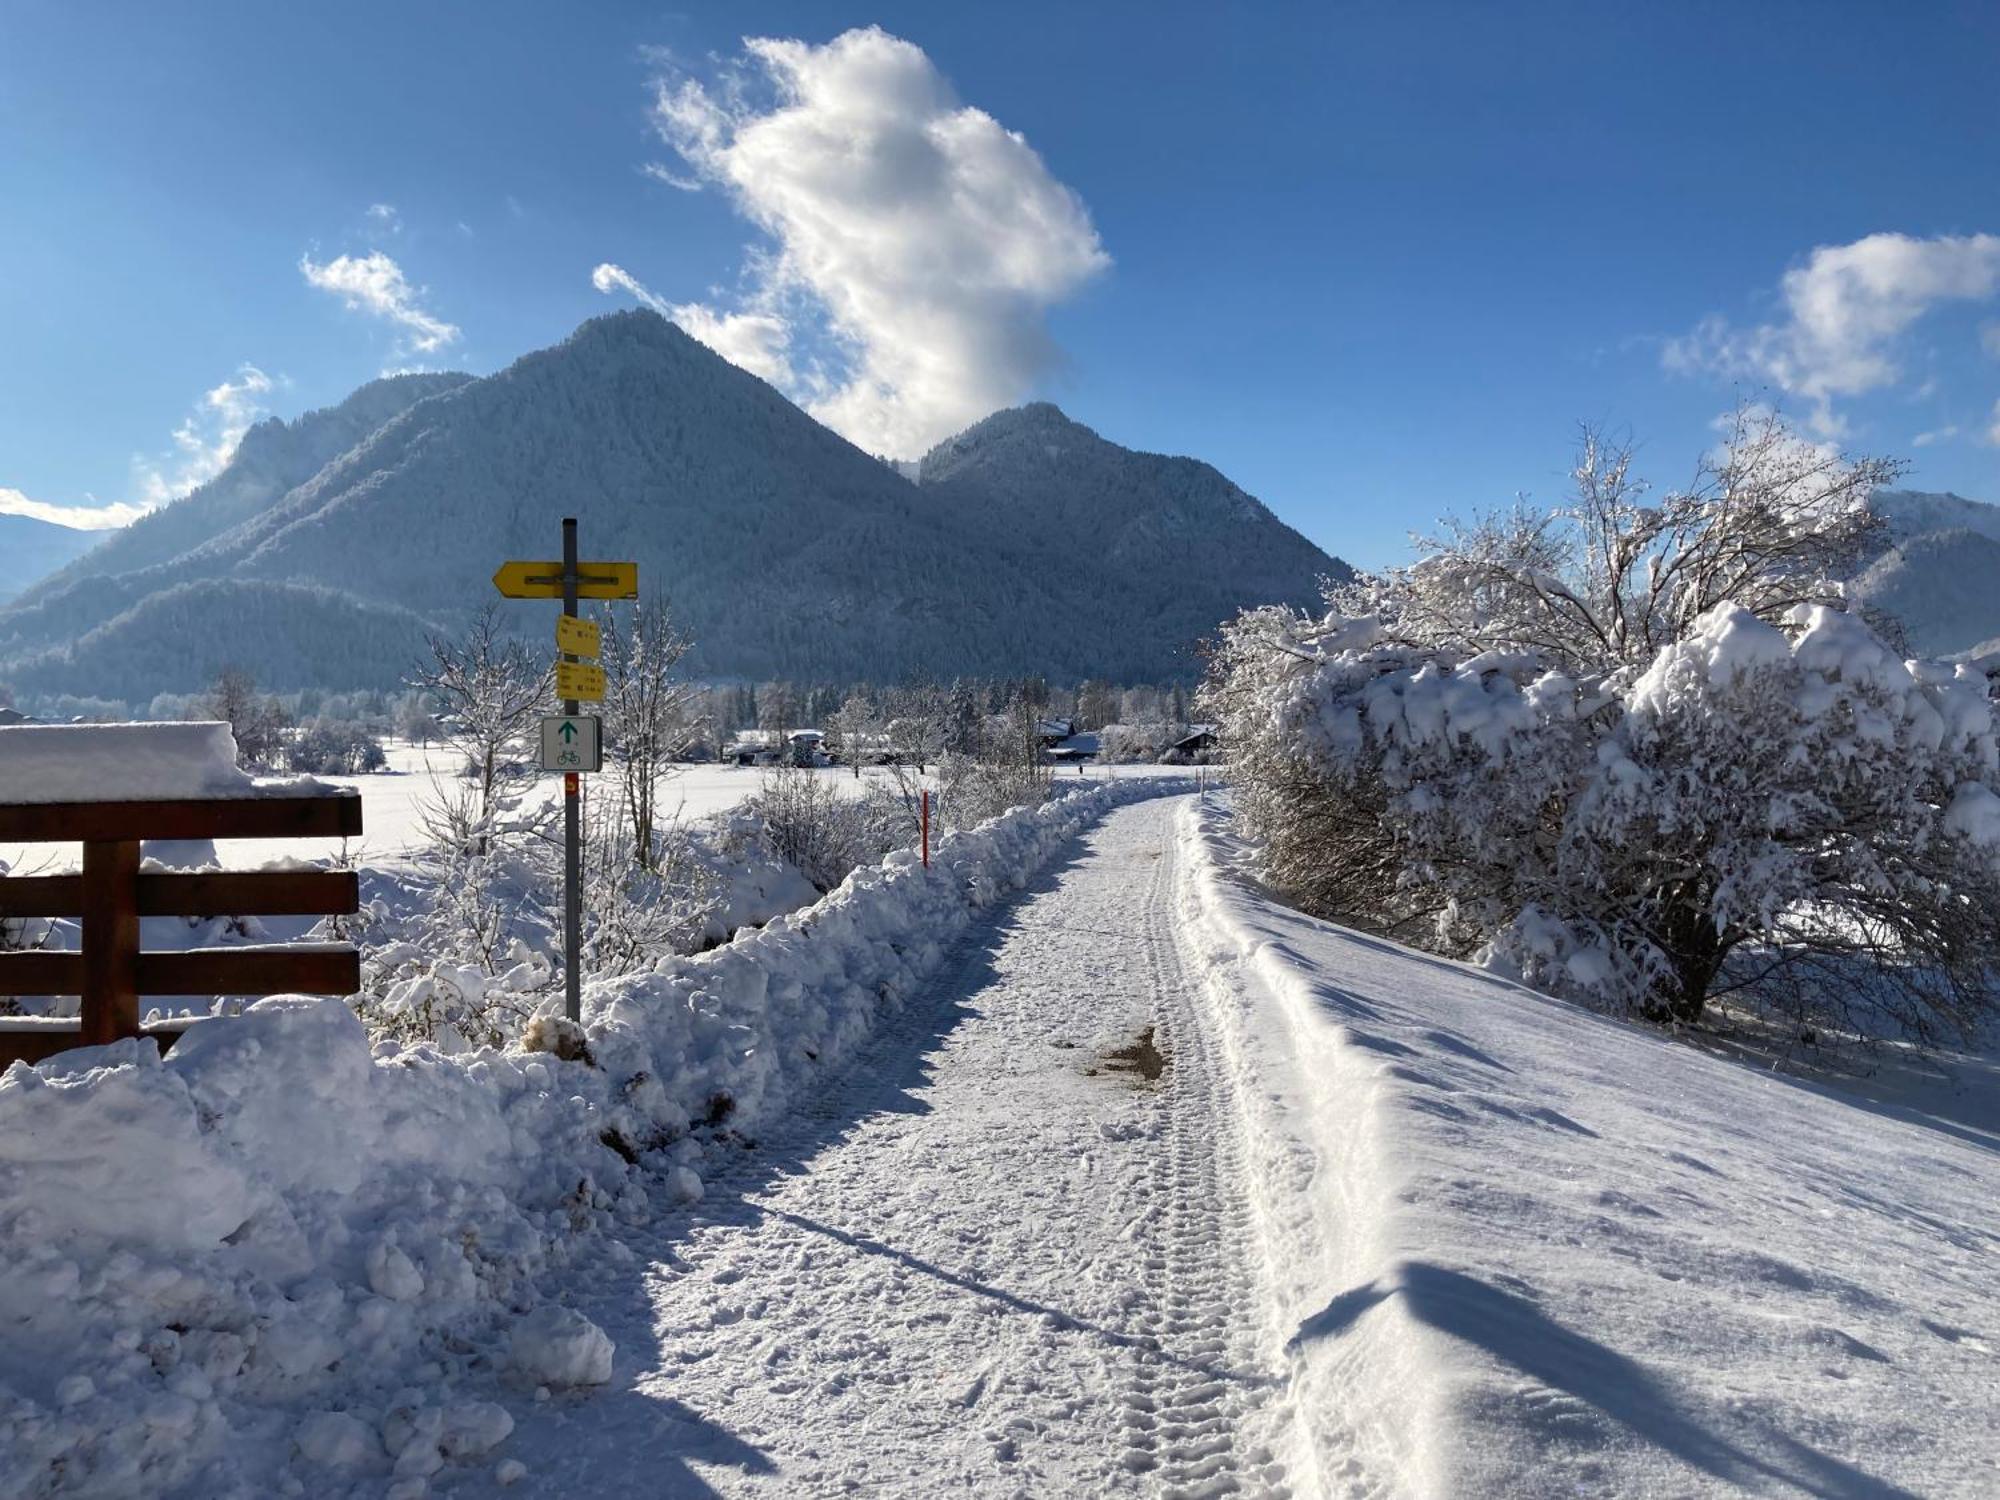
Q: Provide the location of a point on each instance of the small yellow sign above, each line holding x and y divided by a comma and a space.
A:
578, 637
544, 580
579, 681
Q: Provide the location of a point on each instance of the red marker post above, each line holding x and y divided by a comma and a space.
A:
927, 827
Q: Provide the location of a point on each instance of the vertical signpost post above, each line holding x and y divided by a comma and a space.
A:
572, 742
572, 830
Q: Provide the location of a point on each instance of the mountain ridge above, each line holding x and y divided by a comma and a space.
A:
786, 550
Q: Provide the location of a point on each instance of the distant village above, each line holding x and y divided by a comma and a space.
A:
1061, 743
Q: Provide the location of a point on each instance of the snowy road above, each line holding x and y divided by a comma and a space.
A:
994, 1258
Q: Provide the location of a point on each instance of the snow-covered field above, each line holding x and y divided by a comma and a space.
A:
1378, 1224
393, 801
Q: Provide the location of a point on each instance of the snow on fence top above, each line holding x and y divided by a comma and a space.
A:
127, 763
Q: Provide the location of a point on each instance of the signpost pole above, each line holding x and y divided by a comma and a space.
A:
572, 842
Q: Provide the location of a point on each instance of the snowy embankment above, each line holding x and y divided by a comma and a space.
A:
277, 1264
1517, 1248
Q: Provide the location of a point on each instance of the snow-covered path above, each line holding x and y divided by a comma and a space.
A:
993, 1259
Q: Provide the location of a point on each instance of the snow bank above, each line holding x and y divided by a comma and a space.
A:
280, 1262
142, 762
1517, 1248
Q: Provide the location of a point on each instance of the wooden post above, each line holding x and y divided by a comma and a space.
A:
927, 827
110, 940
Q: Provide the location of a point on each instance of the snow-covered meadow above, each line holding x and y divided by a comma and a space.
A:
394, 800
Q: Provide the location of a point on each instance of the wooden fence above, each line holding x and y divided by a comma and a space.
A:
110, 972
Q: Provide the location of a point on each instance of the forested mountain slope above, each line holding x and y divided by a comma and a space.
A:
785, 550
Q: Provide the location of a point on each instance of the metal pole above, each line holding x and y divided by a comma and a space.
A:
572, 841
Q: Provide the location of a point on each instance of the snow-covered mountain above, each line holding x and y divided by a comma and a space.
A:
1941, 578
1163, 531
1914, 512
31, 549
273, 457
1029, 544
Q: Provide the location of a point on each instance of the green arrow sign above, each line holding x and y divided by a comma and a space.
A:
572, 742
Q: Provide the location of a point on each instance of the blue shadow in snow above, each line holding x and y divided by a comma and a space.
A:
1514, 1330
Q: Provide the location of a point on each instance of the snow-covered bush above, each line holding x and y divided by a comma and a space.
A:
1637, 754
972, 789
826, 831
1126, 743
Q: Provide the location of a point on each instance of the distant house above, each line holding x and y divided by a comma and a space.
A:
1052, 732
749, 747
760, 747
14, 716
1193, 748
1078, 747
871, 750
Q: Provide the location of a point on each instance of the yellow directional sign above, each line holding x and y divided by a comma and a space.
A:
579, 681
544, 580
577, 637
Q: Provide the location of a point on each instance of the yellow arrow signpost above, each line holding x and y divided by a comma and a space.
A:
544, 580
576, 680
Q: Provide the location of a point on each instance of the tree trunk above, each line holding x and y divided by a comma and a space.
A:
1695, 949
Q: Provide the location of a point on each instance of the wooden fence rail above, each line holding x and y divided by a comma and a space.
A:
110, 971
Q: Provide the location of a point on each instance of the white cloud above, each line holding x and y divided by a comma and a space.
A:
82, 517
1989, 336
660, 172
374, 283
1993, 431
385, 215
205, 440
926, 239
1846, 307
1936, 435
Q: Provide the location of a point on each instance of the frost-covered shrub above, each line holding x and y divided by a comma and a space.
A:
827, 831
972, 789
1126, 743
1534, 751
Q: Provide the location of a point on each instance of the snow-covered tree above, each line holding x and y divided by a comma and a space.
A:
256, 720
648, 714
488, 689
1637, 754
854, 724
920, 722
1769, 522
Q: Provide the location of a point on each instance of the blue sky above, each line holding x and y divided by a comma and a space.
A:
1374, 262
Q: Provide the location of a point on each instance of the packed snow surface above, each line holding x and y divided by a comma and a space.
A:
119, 762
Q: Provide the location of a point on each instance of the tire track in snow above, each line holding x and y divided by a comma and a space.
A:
1199, 1405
